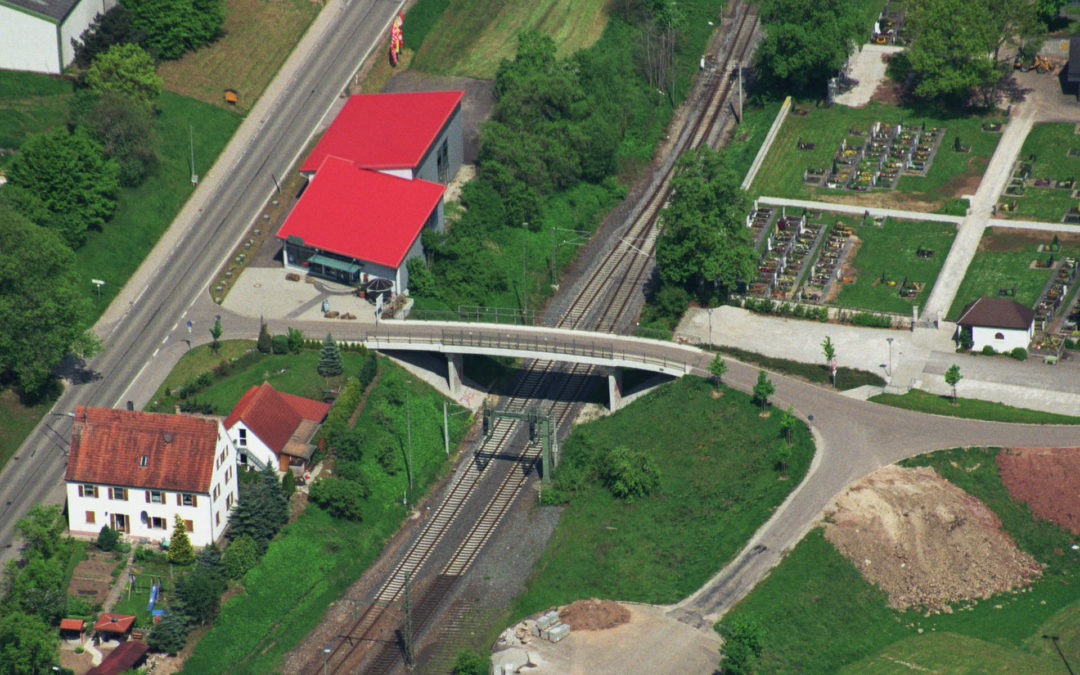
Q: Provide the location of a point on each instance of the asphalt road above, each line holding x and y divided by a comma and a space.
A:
35, 474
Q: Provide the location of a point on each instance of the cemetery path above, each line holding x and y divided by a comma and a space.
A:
859, 210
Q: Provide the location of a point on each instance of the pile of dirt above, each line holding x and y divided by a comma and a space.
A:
594, 614
1047, 480
925, 541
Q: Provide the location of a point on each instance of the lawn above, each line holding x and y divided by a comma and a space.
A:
259, 36
718, 482
472, 37
316, 557
970, 408
290, 373
748, 136
30, 103
1049, 144
17, 420
808, 602
889, 252
952, 173
143, 213
846, 378
1003, 260
135, 600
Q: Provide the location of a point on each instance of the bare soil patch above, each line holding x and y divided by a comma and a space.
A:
966, 183
93, 577
891, 199
847, 270
1003, 239
924, 541
1047, 480
888, 91
594, 614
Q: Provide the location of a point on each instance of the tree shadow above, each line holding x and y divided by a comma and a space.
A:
75, 370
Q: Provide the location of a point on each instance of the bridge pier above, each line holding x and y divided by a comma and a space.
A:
614, 380
454, 368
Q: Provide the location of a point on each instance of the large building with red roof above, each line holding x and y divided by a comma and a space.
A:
270, 427
136, 472
376, 180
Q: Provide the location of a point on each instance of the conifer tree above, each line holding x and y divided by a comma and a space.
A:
330, 363
180, 549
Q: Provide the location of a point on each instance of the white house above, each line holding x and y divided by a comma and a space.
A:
36, 35
273, 428
1001, 323
135, 471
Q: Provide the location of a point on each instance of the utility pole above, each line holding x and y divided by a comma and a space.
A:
191, 137
740, 94
524, 277
407, 633
408, 418
446, 428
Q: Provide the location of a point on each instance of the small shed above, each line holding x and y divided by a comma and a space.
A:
71, 628
1072, 70
121, 659
1001, 323
114, 625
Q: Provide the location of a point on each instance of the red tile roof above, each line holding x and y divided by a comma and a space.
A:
385, 131
107, 447
114, 623
71, 624
997, 313
362, 214
120, 659
274, 416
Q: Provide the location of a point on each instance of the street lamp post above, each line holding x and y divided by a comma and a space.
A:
890, 340
709, 312
326, 659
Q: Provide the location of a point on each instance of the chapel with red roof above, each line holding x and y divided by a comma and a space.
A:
376, 180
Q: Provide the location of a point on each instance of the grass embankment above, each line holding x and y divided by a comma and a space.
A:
290, 373
970, 408
749, 135
471, 37
316, 557
1004, 260
952, 173
808, 601
846, 378
889, 252
258, 37
718, 482
1049, 143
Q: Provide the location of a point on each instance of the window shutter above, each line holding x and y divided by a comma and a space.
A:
179, 499
80, 491
194, 500
147, 496
189, 526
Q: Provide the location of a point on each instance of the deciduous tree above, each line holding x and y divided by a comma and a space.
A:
952, 377
718, 367
127, 70
629, 474
763, 389
343, 498
829, 350
705, 245
241, 555
125, 129
744, 640
805, 43
172, 27
27, 644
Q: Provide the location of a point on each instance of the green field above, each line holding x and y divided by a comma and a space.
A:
1049, 144
1003, 260
718, 483
821, 615
472, 37
890, 251
952, 173
316, 558
923, 401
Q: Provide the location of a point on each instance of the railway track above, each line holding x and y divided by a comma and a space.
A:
602, 303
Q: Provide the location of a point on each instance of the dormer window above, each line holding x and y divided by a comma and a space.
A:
143, 461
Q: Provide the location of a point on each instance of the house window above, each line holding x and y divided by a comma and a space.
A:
119, 522
242, 437
119, 494
189, 526
187, 500
88, 491
217, 492
217, 517
228, 501
90, 518
228, 474
155, 497
443, 163
999, 336
158, 523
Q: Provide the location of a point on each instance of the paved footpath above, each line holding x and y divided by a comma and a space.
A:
859, 210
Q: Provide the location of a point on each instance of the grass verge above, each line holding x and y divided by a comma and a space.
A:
718, 483
808, 601
747, 138
316, 558
971, 408
952, 173
258, 38
846, 378
1004, 261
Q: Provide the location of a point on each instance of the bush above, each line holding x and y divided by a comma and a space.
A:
1019, 353
988, 350
281, 344
343, 498
296, 340
241, 555
265, 343
470, 663
107, 539
629, 473
368, 370
288, 483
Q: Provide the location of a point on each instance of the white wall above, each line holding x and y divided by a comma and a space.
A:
224, 478
1011, 338
28, 42
254, 446
77, 21
400, 173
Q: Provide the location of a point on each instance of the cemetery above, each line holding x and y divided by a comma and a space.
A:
862, 262
878, 155
1043, 182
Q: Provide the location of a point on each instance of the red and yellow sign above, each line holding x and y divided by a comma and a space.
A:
397, 42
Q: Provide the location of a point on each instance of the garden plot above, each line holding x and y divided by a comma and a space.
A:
1043, 183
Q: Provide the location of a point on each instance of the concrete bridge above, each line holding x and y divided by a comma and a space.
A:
606, 350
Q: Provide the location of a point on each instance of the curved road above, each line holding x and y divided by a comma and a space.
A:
220, 212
